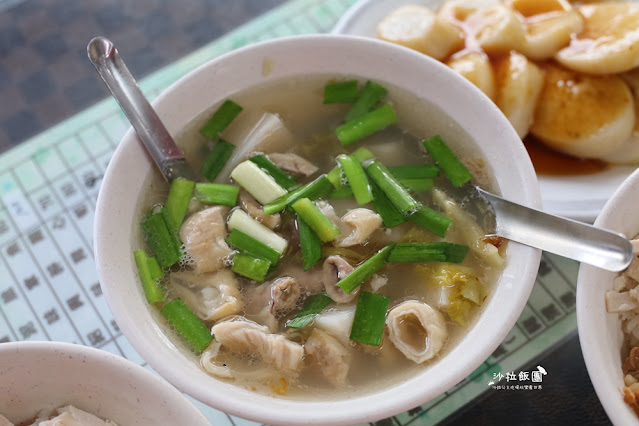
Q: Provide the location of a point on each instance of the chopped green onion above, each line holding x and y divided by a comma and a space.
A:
250, 266
257, 182
356, 179
282, 178
310, 311
221, 119
365, 270
360, 154
432, 220
217, 193
372, 94
148, 268
161, 240
414, 171
310, 244
241, 221
313, 216
366, 125
370, 316
178, 200
428, 252
395, 192
340, 92
250, 245
174, 230
216, 159
417, 185
194, 332
312, 190
343, 192
385, 208
446, 159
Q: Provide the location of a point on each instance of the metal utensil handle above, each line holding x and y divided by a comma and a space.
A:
562, 236
127, 93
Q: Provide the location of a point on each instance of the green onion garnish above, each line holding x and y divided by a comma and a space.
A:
395, 192
446, 159
340, 92
432, 220
216, 159
310, 244
250, 245
312, 190
365, 270
385, 208
315, 219
417, 185
221, 119
217, 193
194, 332
418, 171
360, 155
310, 311
161, 240
428, 252
356, 179
370, 316
366, 125
178, 200
282, 178
149, 268
372, 94
250, 266
343, 192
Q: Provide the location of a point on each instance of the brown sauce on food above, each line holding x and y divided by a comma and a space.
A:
552, 163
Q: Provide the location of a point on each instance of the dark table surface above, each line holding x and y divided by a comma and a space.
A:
46, 78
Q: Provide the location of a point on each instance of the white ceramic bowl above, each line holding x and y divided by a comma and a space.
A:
600, 332
47, 375
497, 144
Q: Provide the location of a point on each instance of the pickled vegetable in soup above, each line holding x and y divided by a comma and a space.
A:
332, 246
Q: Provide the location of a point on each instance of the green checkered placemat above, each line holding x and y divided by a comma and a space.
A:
49, 288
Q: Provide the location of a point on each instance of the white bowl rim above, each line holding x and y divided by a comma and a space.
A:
521, 188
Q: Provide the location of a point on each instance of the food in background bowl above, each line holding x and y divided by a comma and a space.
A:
38, 378
443, 103
563, 74
321, 253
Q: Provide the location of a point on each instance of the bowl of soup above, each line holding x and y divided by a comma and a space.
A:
607, 314
47, 380
331, 263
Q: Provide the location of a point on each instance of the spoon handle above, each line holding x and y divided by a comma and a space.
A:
562, 236
141, 115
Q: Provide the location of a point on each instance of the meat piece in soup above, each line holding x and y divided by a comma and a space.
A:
362, 262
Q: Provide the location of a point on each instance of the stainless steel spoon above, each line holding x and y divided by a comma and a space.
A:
565, 237
559, 235
140, 113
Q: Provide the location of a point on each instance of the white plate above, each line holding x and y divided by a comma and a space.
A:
577, 197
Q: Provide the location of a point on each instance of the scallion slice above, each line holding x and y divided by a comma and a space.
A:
216, 160
385, 208
217, 193
241, 221
161, 240
370, 316
371, 95
250, 266
310, 311
395, 192
148, 269
310, 244
417, 171
357, 179
432, 220
312, 190
224, 115
366, 125
282, 178
365, 270
343, 192
194, 332
178, 200
360, 154
417, 185
428, 252
257, 182
250, 245
313, 216
341, 92
446, 159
